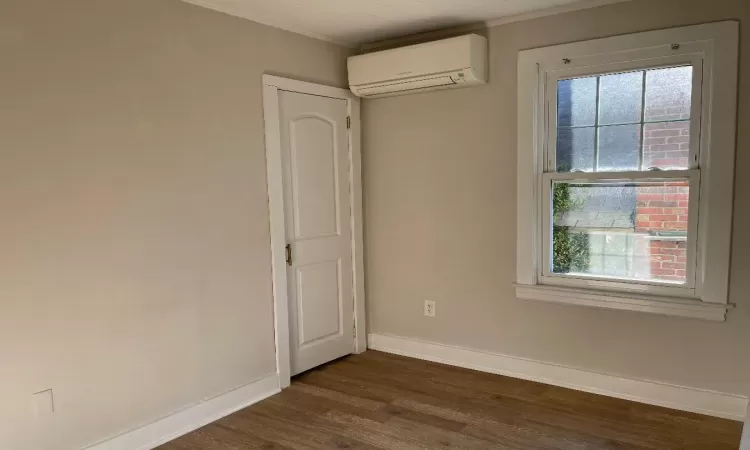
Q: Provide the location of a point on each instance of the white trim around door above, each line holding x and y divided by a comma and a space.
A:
271, 87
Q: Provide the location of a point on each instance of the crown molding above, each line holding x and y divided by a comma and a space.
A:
562, 9
470, 27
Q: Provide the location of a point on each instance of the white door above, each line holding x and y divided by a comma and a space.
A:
315, 159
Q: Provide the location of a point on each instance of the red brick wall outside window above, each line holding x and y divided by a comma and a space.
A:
664, 210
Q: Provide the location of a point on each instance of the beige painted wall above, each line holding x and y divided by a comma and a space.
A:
134, 243
440, 192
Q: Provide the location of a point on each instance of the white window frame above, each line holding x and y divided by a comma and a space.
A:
712, 50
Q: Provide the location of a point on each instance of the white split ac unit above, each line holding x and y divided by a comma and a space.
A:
448, 63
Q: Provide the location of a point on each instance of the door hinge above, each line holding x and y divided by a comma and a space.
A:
348, 122
354, 330
288, 254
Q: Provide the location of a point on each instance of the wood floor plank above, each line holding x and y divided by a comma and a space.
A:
419, 435
264, 422
517, 434
508, 410
424, 418
380, 401
358, 402
216, 437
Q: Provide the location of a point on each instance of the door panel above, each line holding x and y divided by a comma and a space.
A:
315, 158
314, 177
318, 316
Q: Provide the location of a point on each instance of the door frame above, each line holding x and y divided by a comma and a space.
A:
271, 87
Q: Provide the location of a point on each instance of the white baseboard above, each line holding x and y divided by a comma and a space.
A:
182, 422
683, 398
745, 443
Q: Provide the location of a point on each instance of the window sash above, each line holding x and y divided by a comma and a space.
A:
691, 287
696, 61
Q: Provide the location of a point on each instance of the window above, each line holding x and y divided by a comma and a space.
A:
619, 171
626, 149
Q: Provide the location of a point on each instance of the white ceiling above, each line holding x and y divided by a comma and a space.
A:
354, 22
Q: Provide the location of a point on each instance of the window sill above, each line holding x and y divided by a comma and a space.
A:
670, 306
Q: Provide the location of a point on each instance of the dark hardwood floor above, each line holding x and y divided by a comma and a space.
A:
381, 401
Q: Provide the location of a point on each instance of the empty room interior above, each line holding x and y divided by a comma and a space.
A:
387, 224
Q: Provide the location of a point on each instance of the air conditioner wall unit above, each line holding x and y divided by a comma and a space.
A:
448, 63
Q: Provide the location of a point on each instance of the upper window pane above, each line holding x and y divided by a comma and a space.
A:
576, 102
619, 148
627, 121
669, 94
620, 98
666, 145
576, 148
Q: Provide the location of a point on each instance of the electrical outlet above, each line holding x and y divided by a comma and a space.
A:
43, 403
429, 308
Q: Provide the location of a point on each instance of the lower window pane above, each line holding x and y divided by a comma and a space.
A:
623, 230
